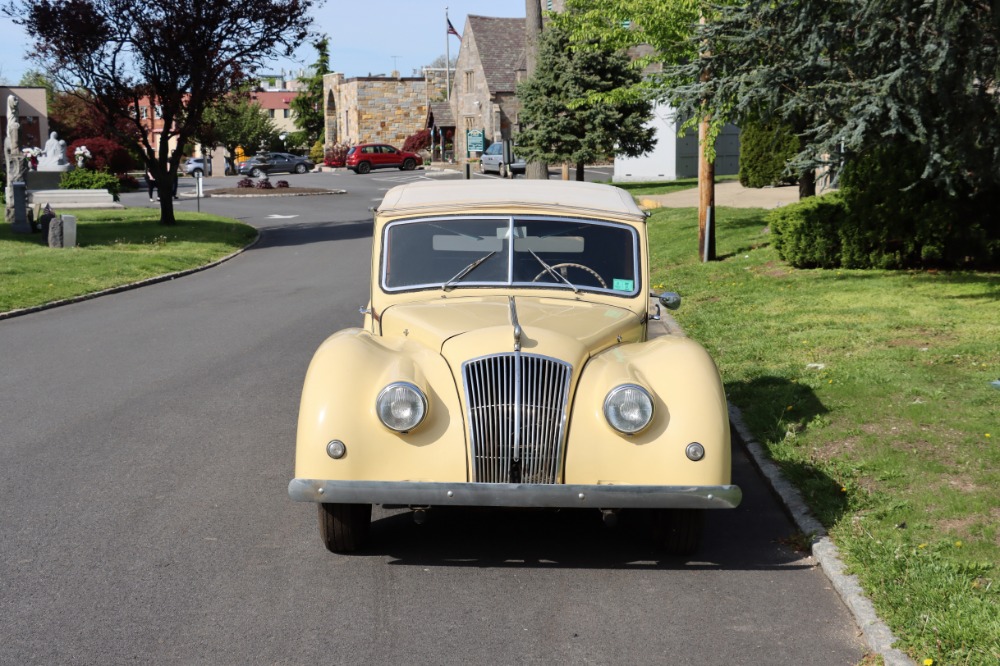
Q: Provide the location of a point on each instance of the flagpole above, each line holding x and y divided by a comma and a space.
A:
447, 58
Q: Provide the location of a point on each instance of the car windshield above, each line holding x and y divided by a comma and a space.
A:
561, 253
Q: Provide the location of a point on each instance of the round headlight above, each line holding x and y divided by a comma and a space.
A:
401, 406
628, 408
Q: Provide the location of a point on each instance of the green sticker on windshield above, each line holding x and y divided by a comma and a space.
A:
623, 285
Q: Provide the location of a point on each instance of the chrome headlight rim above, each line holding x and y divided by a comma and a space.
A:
610, 404
385, 394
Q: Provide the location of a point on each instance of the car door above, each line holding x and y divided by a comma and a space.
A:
391, 157
490, 160
279, 162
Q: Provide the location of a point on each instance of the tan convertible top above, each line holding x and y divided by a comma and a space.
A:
558, 196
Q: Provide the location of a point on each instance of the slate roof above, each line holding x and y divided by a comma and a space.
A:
441, 112
500, 42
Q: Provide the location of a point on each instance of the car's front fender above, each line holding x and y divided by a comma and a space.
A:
689, 406
338, 402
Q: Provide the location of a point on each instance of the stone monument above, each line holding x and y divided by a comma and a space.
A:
12, 156
53, 158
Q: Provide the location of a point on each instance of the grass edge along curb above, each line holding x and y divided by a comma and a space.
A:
878, 637
132, 285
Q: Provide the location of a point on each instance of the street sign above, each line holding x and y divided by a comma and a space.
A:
475, 140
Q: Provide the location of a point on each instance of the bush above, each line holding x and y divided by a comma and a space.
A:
244, 182
127, 182
417, 142
104, 154
316, 153
87, 179
806, 234
336, 156
264, 184
764, 152
886, 217
281, 184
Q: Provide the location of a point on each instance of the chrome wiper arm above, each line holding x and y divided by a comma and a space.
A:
445, 286
553, 272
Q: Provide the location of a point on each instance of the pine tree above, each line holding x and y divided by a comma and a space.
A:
308, 104
560, 123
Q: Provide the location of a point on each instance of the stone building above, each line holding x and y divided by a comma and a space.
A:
491, 62
382, 109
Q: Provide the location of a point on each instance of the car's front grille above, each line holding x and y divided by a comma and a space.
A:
517, 409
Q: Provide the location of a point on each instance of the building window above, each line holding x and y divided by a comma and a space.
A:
548, 5
287, 113
270, 113
470, 122
144, 112
158, 111
470, 80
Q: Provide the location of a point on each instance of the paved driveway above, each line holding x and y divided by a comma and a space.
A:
146, 443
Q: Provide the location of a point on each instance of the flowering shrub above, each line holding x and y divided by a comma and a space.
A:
264, 184
336, 156
281, 183
104, 153
81, 151
419, 141
244, 182
31, 152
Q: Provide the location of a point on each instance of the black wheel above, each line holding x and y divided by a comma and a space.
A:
409, 164
197, 173
257, 173
678, 531
300, 168
344, 527
572, 265
503, 170
364, 167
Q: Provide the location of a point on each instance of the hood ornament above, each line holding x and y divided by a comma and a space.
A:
517, 327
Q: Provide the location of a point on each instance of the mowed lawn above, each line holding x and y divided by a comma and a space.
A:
115, 247
877, 393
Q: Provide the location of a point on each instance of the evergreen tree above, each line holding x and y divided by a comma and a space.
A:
308, 104
851, 74
560, 123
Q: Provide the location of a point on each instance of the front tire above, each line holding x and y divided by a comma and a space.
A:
364, 167
344, 527
503, 170
678, 531
409, 164
197, 172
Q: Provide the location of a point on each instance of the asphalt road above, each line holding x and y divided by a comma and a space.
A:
146, 444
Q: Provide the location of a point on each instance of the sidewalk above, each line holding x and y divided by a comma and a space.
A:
729, 193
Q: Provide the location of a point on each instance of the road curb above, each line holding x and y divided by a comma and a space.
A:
877, 635
126, 287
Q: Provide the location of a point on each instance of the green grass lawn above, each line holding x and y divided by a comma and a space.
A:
114, 247
666, 187
873, 392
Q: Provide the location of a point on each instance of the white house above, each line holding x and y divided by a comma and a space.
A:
676, 157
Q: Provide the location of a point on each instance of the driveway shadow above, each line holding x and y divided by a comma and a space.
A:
304, 233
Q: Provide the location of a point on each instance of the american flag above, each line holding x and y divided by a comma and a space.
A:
451, 29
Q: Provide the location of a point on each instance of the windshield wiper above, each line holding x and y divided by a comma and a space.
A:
553, 272
465, 271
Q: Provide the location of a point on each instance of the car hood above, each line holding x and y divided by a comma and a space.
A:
471, 327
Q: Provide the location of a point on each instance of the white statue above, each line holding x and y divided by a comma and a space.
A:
53, 158
13, 158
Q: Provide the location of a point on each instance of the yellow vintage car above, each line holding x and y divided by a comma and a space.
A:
511, 355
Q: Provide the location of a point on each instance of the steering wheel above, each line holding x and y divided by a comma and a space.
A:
572, 265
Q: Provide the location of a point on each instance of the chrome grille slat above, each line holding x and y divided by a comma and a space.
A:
516, 411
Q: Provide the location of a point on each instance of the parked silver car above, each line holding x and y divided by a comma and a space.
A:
491, 161
196, 166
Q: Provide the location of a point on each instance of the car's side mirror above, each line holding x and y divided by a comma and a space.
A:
671, 300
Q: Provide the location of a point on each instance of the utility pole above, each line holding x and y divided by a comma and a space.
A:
532, 33
706, 179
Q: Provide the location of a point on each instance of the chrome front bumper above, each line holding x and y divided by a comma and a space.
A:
414, 493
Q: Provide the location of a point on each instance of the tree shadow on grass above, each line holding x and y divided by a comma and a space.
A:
777, 412
119, 230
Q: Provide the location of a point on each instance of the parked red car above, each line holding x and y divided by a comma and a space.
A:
364, 157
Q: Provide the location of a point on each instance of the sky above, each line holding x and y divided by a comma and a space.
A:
366, 37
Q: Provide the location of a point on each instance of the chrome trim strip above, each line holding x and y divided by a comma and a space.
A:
419, 493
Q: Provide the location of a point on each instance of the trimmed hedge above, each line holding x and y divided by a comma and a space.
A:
86, 179
764, 152
886, 217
